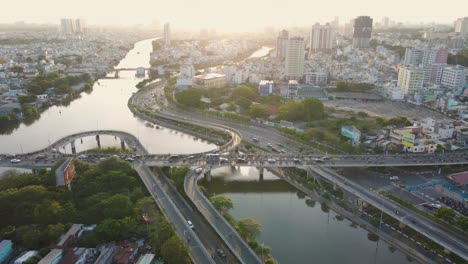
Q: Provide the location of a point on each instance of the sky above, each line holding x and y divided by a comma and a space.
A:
229, 16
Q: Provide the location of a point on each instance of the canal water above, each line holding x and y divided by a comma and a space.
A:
104, 108
296, 232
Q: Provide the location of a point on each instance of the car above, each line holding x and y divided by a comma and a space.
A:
221, 252
270, 160
15, 161
269, 145
223, 160
129, 159
190, 224
198, 170
82, 156
54, 150
240, 160
11, 155
280, 145
255, 139
394, 178
296, 161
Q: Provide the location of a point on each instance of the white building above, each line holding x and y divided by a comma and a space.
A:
461, 26
240, 76
167, 34
322, 38
294, 66
67, 26
393, 93
293, 87
410, 79
316, 78
454, 77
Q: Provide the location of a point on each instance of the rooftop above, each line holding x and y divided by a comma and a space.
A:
460, 178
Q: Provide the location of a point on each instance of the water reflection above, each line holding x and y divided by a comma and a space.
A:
296, 228
104, 108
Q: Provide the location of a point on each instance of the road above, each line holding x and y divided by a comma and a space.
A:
197, 251
224, 229
208, 237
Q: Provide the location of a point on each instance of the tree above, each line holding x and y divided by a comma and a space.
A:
444, 213
174, 251
313, 109
47, 212
221, 203
244, 103
258, 111
162, 233
463, 222
116, 206
248, 228
16, 69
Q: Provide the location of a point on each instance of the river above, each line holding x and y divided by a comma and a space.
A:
104, 108
262, 52
296, 232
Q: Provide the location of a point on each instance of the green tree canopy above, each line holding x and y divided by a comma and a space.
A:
248, 228
222, 203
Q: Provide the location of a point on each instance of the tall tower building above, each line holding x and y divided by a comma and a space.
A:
294, 66
167, 34
67, 26
321, 38
461, 26
79, 26
362, 32
282, 43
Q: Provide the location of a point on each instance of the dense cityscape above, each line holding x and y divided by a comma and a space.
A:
330, 142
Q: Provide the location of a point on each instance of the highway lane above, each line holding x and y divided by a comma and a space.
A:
224, 229
209, 238
197, 251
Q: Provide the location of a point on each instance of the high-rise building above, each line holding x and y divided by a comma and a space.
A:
321, 38
425, 57
410, 79
79, 26
461, 26
294, 66
385, 22
362, 32
167, 34
453, 77
67, 26
282, 43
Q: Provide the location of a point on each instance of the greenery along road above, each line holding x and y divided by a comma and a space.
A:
34, 212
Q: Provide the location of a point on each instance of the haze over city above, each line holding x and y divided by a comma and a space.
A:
227, 16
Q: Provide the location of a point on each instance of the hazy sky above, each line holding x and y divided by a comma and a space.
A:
233, 15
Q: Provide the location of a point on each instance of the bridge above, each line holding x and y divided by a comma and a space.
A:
314, 164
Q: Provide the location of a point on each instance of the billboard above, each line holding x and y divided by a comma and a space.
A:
69, 172
407, 139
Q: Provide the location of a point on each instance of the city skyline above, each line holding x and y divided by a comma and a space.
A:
241, 17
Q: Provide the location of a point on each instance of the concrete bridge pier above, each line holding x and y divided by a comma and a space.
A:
260, 173
73, 147
122, 144
98, 139
208, 175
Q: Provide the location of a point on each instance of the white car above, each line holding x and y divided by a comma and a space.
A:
271, 160
198, 170
82, 156
190, 224
15, 161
